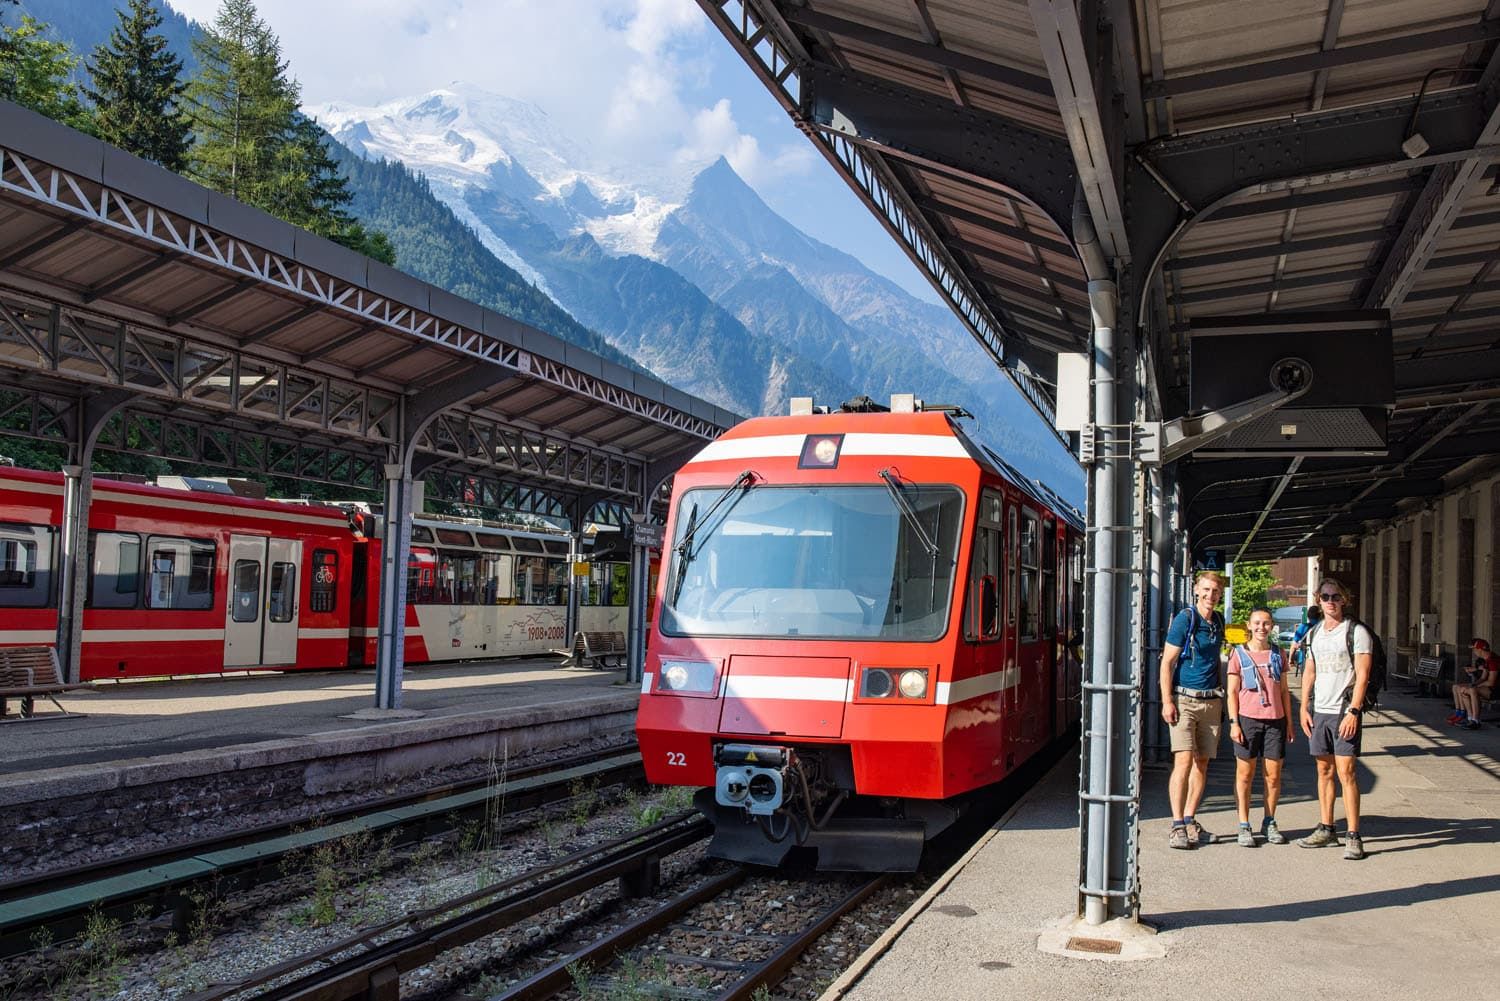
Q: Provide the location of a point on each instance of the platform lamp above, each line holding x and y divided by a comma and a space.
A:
1413, 143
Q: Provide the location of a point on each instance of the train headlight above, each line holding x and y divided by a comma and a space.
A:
820, 451
875, 683
688, 677
893, 683
913, 684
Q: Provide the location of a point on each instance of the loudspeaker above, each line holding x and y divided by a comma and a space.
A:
1346, 357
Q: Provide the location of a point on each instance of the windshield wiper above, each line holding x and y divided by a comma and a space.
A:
683, 548
910, 513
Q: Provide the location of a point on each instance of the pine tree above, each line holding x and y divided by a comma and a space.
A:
254, 144
37, 74
242, 106
138, 89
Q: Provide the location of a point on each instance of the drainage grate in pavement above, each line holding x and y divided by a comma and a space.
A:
1100, 945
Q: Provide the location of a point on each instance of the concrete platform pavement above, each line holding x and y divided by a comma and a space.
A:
1415, 919
118, 721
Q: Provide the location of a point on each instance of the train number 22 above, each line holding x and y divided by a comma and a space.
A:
677, 758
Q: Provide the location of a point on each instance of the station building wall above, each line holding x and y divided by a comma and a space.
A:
1438, 557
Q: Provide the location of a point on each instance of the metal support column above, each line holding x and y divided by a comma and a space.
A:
1108, 785
78, 488
1158, 615
643, 536
390, 646
570, 614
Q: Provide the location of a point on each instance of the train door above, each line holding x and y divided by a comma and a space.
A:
279, 640
1011, 701
261, 623
243, 621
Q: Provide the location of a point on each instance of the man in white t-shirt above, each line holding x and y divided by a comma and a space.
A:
1333, 696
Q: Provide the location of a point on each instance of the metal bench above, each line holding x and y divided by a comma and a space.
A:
27, 672
597, 650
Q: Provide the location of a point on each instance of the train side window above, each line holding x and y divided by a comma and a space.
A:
281, 605
525, 545
325, 580
983, 620
1030, 558
1012, 550
498, 578
246, 606
1049, 607
420, 563
421, 533
25, 565
114, 569
180, 573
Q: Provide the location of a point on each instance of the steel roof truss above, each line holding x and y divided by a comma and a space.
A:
83, 199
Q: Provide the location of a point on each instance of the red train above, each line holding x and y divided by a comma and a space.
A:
188, 577
863, 619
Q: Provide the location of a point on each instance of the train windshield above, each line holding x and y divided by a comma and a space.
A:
821, 562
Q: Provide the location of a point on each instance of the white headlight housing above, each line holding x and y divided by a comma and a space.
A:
698, 677
913, 683
893, 683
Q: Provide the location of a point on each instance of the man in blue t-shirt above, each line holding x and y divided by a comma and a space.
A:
1192, 703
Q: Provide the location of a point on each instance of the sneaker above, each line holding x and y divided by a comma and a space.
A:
1354, 848
1472, 724
1455, 717
1196, 835
1178, 838
1459, 720
1245, 838
1273, 833
1319, 838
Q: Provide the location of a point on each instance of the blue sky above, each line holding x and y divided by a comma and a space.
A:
639, 81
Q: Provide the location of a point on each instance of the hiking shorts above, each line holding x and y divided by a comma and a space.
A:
1325, 738
1199, 724
1264, 738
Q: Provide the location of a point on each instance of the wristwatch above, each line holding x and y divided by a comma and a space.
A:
1353, 712
1234, 721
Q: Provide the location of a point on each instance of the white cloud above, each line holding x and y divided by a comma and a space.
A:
714, 133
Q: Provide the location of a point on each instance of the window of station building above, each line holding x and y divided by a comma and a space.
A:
114, 569
325, 580
25, 565
180, 573
245, 591
1030, 558
281, 601
540, 581
454, 537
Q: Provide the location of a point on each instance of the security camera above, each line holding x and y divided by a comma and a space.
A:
1291, 375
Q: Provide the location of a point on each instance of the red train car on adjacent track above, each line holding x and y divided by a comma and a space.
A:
863, 618
187, 576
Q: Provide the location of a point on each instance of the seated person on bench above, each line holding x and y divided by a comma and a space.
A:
1481, 686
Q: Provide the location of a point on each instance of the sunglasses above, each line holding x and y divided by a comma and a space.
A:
1331, 597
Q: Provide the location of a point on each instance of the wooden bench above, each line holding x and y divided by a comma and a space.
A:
596, 650
29, 671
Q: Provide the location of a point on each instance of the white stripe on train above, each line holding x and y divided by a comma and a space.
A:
783, 446
770, 687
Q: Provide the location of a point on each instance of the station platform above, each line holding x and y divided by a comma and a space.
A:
1416, 918
141, 756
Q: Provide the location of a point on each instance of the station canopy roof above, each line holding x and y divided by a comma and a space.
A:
1236, 158
226, 336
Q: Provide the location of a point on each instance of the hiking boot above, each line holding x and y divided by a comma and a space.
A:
1273, 833
1354, 847
1178, 838
1246, 838
1321, 837
1196, 835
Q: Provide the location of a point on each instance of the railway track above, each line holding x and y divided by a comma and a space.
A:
163, 882
730, 964
369, 964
